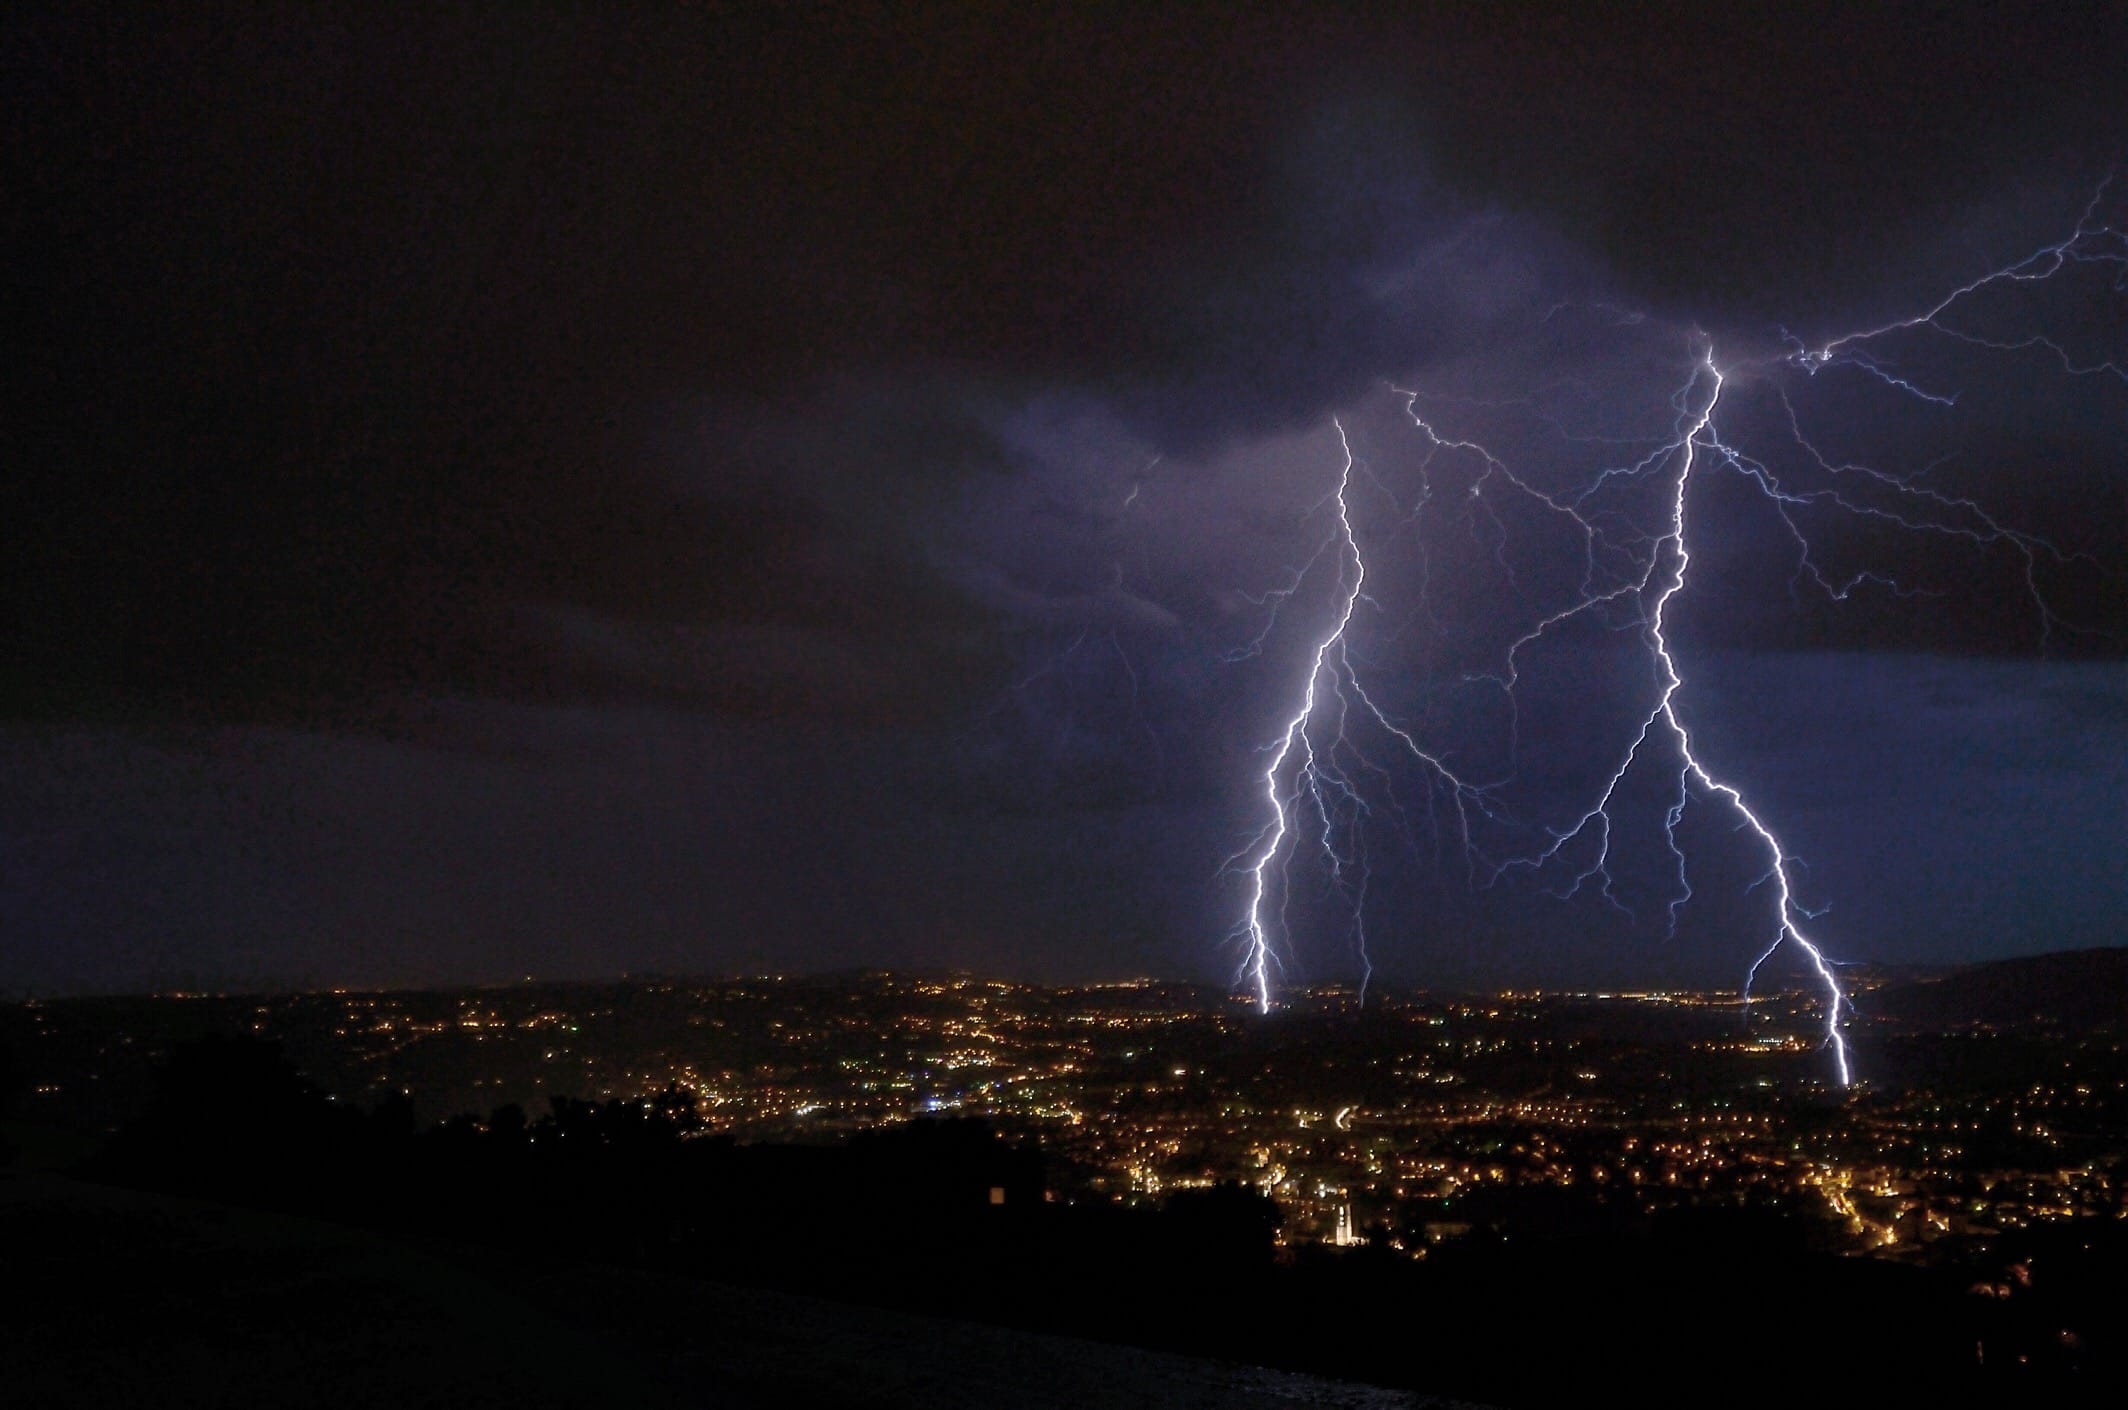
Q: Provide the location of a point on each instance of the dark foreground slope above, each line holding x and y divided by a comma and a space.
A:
130, 1299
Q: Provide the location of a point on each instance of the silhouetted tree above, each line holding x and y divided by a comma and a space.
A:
232, 1118
392, 1119
661, 1119
1229, 1223
11, 1082
507, 1123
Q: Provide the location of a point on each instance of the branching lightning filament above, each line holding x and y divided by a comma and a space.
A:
1321, 788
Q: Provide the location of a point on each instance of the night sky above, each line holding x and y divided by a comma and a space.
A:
568, 491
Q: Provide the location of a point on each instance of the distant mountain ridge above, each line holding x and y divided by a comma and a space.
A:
2078, 989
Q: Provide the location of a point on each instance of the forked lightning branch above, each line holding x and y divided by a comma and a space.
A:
1328, 763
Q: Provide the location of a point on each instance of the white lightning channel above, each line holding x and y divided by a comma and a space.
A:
2096, 241
1259, 956
1319, 774
1788, 929
1671, 552
1630, 576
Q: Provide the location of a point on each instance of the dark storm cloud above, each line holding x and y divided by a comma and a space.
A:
580, 842
341, 322
847, 451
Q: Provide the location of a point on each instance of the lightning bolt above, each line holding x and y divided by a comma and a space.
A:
1630, 576
1321, 779
1788, 915
2095, 242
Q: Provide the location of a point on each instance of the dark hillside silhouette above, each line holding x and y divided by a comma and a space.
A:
2080, 990
946, 1217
